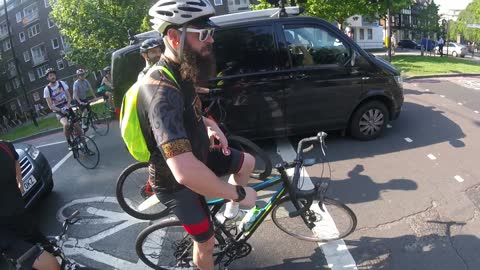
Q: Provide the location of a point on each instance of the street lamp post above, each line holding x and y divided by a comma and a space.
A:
389, 29
19, 74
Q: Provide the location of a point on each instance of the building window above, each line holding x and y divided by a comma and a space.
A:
55, 44
39, 54
16, 83
51, 22
26, 56
31, 76
60, 64
21, 36
31, 11
6, 45
370, 34
3, 29
34, 30
41, 71
8, 87
218, 2
362, 34
19, 16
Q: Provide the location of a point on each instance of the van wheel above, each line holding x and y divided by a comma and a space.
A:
369, 121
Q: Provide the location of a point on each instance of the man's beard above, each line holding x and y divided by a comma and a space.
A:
196, 68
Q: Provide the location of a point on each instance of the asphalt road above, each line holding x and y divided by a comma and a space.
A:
415, 191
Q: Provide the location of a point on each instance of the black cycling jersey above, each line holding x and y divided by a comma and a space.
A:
171, 121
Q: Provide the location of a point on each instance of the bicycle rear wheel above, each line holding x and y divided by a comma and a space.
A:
315, 225
86, 152
100, 123
133, 195
166, 245
263, 164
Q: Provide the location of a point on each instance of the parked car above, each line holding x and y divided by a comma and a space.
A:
36, 173
408, 44
454, 49
290, 75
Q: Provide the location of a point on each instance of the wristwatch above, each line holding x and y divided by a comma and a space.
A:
241, 193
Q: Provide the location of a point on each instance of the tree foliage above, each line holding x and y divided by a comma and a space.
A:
428, 20
93, 29
340, 10
471, 15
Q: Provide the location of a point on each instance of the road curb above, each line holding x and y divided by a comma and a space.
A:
40, 134
441, 76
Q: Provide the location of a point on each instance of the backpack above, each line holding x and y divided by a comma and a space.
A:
129, 122
60, 84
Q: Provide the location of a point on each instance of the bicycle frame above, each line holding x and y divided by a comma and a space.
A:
218, 203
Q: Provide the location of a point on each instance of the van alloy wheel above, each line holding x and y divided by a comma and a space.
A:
369, 120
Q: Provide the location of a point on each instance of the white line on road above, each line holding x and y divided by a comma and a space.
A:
432, 157
442, 96
459, 178
389, 126
336, 253
49, 144
475, 111
427, 90
61, 162
408, 139
459, 103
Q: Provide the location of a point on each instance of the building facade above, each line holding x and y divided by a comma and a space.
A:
367, 34
38, 46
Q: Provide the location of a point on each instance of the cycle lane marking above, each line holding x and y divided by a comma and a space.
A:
336, 252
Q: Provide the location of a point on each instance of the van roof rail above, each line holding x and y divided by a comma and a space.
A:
254, 14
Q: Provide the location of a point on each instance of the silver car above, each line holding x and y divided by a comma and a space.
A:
454, 49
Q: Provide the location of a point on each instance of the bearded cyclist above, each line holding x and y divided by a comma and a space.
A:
151, 50
184, 162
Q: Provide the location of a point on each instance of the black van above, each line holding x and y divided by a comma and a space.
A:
290, 75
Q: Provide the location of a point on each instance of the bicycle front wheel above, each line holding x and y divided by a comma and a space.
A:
100, 123
315, 225
135, 196
86, 152
166, 245
263, 164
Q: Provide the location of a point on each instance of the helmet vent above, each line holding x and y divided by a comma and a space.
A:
190, 9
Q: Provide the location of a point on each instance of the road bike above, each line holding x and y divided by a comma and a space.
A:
84, 149
306, 214
98, 121
54, 247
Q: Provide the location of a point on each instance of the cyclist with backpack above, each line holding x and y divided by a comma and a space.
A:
151, 50
59, 101
185, 165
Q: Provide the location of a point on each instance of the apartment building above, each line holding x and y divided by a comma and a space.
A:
38, 45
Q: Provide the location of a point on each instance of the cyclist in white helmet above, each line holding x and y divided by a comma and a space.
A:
185, 165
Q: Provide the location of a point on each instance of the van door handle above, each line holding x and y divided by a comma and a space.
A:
302, 76
365, 78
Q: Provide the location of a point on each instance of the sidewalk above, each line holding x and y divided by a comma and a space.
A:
384, 54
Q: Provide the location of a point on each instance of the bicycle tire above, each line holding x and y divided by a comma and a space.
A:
85, 151
170, 234
323, 230
264, 168
99, 124
129, 194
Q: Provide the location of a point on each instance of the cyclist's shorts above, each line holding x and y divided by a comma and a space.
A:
192, 211
223, 165
14, 249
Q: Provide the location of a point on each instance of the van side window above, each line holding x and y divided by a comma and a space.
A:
244, 50
309, 46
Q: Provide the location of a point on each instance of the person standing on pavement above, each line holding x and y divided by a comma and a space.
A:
393, 40
186, 163
80, 88
441, 43
18, 234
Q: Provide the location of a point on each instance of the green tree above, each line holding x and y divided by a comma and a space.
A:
471, 15
428, 20
340, 10
94, 29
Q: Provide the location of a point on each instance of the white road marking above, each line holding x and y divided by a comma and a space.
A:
336, 253
49, 144
459, 178
389, 126
475, 111
459, 103
442, 96
70, 153
408, 140
427, 90
432, 157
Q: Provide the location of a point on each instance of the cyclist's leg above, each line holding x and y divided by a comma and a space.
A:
15, 248
46, 261
64, 121
192, 211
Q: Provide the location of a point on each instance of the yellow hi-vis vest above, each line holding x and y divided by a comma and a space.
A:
129, 123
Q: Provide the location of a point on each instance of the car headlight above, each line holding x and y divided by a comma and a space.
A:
33, 152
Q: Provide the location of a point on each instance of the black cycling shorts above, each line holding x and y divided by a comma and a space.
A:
15, 248
190, 207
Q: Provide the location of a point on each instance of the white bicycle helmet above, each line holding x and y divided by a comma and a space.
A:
178, 12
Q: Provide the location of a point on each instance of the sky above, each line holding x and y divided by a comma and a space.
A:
452, 4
